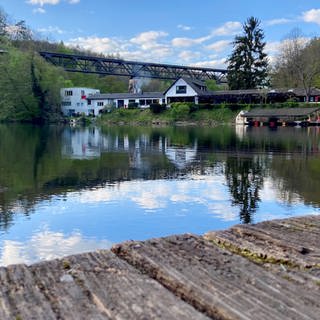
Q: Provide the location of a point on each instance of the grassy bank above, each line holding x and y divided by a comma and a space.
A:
168, 117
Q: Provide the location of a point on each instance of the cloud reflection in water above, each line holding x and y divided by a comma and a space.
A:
47, 245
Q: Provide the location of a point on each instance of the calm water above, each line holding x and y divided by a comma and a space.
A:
66, 190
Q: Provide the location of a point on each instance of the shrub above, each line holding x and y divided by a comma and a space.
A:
157, 107
133, 105
180, 111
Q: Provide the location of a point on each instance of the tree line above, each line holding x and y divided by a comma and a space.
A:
297, 64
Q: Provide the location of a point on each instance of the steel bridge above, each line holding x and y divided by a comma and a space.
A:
132, 69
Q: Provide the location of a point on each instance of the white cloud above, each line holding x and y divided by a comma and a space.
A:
312, 15
149, 46
143, 47
148, 40
230, 28
100, 45
275, 22
43, 2
184, 27
43, 246
188, 42
214, 63
189, 55
183, 42
51, 29
39, 10
219, 45
273, 47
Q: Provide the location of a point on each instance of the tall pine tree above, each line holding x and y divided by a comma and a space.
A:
248, 63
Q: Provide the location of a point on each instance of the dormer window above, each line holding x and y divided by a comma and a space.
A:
181, 89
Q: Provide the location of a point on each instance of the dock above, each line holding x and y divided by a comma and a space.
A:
270, 270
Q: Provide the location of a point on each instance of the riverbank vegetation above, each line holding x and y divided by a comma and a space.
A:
185, 113
178, 113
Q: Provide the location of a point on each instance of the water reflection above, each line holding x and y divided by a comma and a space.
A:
47, 245
111, 184
244, 177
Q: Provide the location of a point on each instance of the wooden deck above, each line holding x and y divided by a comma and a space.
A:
266, 271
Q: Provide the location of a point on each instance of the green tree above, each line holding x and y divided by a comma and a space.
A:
212, 85
3, 23
248, 63
298, 63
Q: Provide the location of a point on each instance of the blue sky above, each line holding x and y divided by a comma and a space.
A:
184, 32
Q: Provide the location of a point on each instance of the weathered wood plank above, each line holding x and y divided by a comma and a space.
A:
287, 247
88, 286
295, 241
219, 283
20, 296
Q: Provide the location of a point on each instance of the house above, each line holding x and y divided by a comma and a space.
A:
123, 100
187, 90
75, 101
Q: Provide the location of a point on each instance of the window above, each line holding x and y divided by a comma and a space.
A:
148, 101
66, 103
89, 102
132, 101
181, 89
100, 104
155, 101
68, 93
142, 102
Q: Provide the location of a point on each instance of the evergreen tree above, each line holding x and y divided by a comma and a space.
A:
248, 63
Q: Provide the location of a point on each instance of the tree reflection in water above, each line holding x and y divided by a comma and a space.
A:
244, 176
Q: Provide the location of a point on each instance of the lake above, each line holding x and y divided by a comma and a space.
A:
66, 190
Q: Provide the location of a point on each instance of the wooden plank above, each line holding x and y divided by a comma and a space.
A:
295, 241
219, 283
88, 286
20, 297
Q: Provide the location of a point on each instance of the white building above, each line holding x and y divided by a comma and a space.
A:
75, 101
123, 100
186, 90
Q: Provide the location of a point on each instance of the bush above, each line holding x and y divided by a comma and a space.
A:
180, 111
133, 105
157, 107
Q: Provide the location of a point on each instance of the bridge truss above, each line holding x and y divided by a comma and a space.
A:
132, 69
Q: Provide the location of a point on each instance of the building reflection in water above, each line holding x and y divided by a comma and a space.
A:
90, 142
